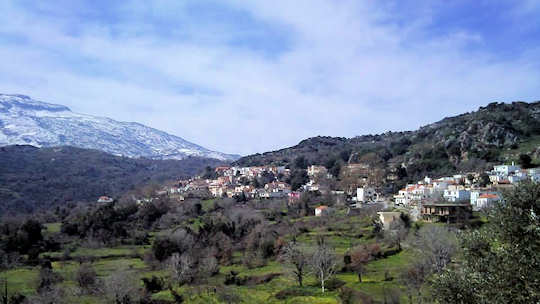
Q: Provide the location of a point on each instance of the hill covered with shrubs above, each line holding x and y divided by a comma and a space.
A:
471, 141
33, 178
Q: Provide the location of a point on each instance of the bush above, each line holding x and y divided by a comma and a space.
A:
153, 284
351, 296
334, 284
86, 276
231, 278
263, 279
293, 292
47, 279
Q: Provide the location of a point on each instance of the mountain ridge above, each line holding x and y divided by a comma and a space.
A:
469, 141
24, 120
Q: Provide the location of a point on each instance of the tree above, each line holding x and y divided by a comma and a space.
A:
86, 276
297, 257
435, 246
323, 262
525, 161
484, 180
359, 258
121, 287
298, 178
335, 169
501, 260
209, 266
414, 277
182, 268
470, 178
301, 163
47, 279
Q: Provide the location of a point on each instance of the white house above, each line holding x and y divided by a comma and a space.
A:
365, 194
105, 199
323, 210
506, 169
485, 200
516, 178
457, 195
314, 170
387, 218
479, 199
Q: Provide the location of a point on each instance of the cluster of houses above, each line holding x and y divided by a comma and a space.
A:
450, 197
244, 181
445, 198
241, 181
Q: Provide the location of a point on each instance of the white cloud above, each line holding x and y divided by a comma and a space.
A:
347, 69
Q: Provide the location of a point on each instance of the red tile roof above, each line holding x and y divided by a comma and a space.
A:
488, 195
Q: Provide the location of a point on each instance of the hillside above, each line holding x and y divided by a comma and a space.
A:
495, 133
25, 121
33, 177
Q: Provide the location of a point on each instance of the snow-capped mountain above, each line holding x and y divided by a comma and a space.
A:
24, 121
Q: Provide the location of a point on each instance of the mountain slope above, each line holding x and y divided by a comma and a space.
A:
497, 132
24, 121
33, 178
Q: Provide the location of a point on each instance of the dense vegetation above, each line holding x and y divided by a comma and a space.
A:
500, 262
472, 141
33, 178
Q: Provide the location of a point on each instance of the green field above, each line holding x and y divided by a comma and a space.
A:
342, 235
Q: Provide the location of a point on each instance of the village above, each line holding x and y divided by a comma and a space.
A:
443, 199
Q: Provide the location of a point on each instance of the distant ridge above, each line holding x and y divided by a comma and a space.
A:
498, 132
25, 121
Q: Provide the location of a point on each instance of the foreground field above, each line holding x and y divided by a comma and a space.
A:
380, 277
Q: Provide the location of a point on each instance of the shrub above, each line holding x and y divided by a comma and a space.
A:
230, 278
153, 284
351, 296
47, 279
293, 292
334, 284
209, 266
263, 279
86, 276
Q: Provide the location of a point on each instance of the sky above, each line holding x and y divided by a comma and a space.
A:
253, 76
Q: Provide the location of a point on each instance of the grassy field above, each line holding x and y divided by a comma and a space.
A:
342, 235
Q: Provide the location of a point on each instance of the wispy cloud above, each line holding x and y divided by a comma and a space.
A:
252, 76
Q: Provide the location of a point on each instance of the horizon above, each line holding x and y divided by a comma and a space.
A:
222, 74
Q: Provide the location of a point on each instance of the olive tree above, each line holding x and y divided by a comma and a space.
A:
501, 260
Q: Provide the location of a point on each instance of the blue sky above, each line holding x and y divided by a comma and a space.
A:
252, 76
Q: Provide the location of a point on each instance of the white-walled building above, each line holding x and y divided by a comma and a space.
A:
486, 200
387, 218
455, 196
366, 194
506, 169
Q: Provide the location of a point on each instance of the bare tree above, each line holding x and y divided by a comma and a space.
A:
396, 234
296, 256
120, 287
413, 278
86, 277
360, 256
324, 262
182, 268
435, 245
55, 294
209, 266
